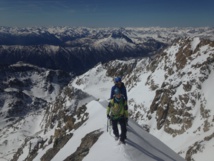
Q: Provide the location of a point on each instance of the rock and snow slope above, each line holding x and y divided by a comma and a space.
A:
57, 133
140, 145
170, 95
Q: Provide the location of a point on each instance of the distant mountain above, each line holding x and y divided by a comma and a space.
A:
78, 49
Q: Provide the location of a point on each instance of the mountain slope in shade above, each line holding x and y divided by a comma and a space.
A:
77, 50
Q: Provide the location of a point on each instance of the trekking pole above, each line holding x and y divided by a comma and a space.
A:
107, 124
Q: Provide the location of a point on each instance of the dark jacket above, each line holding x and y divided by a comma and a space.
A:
122, 90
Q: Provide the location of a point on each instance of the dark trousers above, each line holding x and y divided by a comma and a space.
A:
122, 123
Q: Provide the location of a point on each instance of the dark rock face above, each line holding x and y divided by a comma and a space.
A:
58, 144
17, 84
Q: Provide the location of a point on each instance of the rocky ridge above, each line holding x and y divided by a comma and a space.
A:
176, 82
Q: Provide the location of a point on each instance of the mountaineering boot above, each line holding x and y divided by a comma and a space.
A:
116, 138
125, 137
122, 142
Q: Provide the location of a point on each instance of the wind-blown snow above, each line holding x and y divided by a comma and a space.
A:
194, 43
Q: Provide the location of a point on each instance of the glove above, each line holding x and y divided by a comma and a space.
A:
108, 116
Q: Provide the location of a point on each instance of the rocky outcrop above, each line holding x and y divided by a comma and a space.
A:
66, 121
59, 142
17, 84
197, 147
162, 104
180, 95
87, 142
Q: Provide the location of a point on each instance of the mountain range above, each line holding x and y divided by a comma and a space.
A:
56, 111
79, 49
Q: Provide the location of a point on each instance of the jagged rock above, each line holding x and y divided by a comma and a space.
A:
187, 87
58, 144
20, 150
183, 55
161, 104
197, 147
204, 112
192, 150
207, 126
69, 122
87, 142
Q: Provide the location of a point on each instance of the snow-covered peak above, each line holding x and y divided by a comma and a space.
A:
135, 34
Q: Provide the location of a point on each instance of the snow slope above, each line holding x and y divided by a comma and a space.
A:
140, 144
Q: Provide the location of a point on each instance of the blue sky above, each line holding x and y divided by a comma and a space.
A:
107, 13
